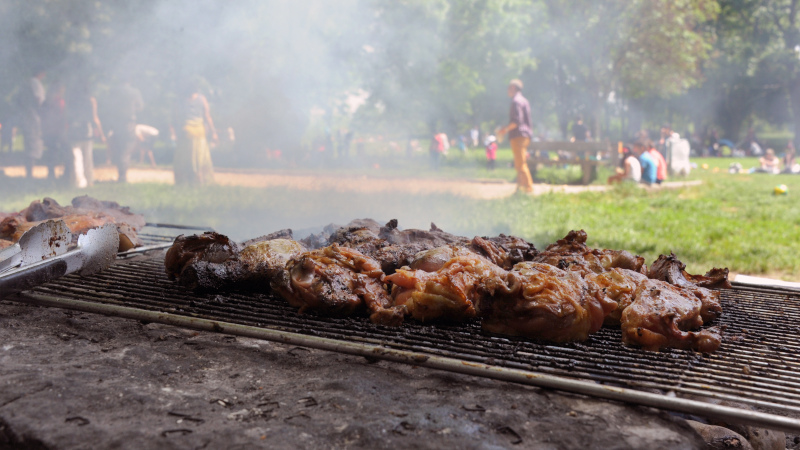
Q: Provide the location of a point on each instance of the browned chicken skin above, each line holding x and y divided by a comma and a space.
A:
662, 315
211, 261
671, 270
616, 285
336, 280
562, 294
452, 287
572, 253
546, 303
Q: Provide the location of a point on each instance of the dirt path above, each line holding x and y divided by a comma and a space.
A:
478, 189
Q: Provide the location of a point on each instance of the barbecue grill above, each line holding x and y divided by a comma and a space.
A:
757, 365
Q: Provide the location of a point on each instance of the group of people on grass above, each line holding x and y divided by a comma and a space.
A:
770, 163
59, 125
642, 163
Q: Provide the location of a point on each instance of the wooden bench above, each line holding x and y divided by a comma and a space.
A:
588, 155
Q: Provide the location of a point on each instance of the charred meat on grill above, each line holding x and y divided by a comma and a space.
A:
671, 270
616, 285
547, 303
211, 261
188, 260
505, 251
392, 247
565, 293
335, 280
662, 315
455, 288
572, 253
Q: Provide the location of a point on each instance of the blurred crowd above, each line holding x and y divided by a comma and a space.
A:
60, 124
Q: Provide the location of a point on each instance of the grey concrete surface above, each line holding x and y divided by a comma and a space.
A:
71, 380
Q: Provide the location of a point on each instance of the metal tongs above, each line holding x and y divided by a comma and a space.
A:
43, 256
43, 241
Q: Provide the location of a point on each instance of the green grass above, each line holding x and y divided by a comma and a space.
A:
731, 221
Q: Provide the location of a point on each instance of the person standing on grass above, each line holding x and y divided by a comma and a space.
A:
193, 163
491, 152
579, 131
29, 101
83, 123
125, 104
54, 130
520, 132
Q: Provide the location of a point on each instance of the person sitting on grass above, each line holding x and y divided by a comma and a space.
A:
661, 169
789, 162
631, 170
649, 164
769, 163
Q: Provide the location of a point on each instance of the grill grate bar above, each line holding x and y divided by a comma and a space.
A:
657, 369
758, 363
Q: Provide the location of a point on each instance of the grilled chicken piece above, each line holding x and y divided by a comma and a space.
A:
671, 270
338, 281
392, 247
546, 303
572, 253
5, 244
505, 251
211, 262
210, 250
617, 285
662, 315
450, 283
9, 226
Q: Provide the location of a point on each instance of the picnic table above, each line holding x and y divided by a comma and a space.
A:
588, 155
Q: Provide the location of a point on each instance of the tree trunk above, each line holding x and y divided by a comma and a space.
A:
561, 108
794, 98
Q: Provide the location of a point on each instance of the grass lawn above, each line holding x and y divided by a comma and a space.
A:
730, 220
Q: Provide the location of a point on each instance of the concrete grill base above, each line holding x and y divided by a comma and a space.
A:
75, 380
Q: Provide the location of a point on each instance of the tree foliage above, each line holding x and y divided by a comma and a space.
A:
425, 65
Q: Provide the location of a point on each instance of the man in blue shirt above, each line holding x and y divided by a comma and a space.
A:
649, 164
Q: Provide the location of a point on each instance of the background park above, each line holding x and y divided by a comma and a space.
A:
294, 79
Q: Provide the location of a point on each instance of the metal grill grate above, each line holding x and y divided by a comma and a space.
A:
758, 363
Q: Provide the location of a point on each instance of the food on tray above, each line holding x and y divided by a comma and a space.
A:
564, 293
81, 216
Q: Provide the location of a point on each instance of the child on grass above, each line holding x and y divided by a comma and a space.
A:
491, 151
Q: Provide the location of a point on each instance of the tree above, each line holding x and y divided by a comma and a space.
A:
432, 66
634, 48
